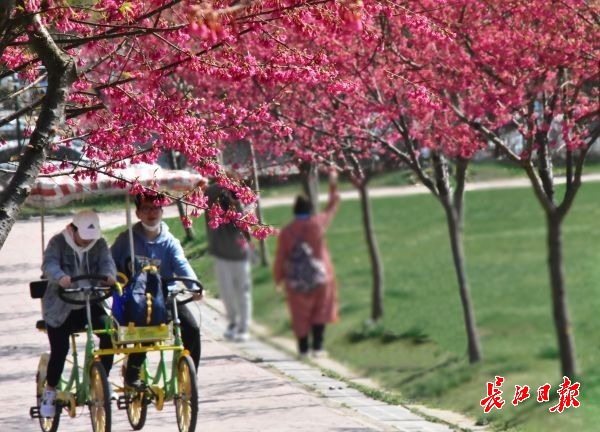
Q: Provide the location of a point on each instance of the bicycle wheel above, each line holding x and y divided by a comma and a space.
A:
137, 408
47, 424
186, 399
99, 402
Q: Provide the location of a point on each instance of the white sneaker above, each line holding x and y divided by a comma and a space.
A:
230, 332
242, 337
48, 405
319, 353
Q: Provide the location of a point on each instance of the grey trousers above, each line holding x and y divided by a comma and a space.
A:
235, 285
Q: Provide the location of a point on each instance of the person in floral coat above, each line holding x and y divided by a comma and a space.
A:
310, 311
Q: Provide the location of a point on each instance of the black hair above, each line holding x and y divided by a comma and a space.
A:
146, 196
303, 205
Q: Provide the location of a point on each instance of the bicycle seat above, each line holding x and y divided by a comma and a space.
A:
37, 288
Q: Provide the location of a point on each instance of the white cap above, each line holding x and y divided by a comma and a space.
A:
88, 225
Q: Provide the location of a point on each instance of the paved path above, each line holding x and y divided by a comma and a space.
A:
417, 189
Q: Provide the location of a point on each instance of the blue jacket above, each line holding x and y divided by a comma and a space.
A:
165, 252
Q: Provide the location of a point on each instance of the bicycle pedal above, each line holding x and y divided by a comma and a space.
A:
34, 412
122, 402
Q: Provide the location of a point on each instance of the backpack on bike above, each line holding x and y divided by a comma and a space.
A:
304, 272
143, 302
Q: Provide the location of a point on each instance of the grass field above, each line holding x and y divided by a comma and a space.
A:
419, 349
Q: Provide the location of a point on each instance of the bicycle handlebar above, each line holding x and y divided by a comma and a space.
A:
91, 277
97, 292
182, 289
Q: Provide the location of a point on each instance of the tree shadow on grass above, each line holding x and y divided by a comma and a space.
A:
425, 372
377, 331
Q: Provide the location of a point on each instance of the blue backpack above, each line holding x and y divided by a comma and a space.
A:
143, 301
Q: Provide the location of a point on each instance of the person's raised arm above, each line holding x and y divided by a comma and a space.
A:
334, 199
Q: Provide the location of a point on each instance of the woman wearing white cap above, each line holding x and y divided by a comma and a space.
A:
79, 249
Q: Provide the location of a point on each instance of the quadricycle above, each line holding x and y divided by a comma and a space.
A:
171, 378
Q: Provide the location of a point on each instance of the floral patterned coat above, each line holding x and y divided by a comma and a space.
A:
319, 306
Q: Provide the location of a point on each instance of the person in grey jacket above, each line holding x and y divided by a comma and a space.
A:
78, 250
230, 247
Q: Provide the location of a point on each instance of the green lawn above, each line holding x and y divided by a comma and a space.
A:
419, 349
97, 203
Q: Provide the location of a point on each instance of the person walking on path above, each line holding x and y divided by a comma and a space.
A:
230, 247
78, 250
314, 305
153, 243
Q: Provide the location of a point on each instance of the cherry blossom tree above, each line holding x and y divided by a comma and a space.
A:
386, 113
447, 78
498, 65
537, 73
121, 76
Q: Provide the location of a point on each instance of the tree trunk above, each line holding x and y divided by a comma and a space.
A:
453, 206
61, 75
562, 320
264, 257
189, 231
376, 265
5, 14
454, 220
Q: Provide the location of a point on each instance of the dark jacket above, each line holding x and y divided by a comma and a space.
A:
227, 241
